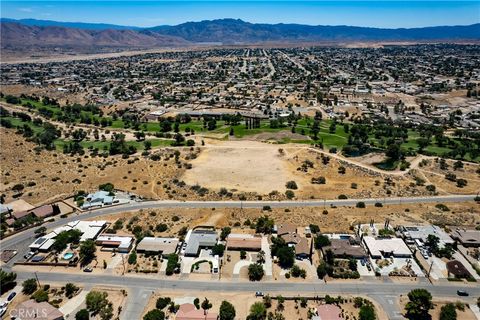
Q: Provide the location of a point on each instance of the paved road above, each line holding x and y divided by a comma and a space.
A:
385, 293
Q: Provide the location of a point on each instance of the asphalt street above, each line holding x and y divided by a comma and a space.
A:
385, 293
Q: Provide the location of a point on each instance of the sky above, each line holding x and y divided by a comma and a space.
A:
385, 14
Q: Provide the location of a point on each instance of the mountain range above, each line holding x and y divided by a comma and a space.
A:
31, 33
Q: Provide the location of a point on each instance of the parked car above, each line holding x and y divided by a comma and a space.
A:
2, 311
11, 296
28, 255
88, 269
4, 304
258, 294
463, 293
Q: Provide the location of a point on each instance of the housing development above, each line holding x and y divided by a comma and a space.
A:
258, 181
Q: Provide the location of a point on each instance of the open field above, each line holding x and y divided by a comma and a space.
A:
248, 169
338, 220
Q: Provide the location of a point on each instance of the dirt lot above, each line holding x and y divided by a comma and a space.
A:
247, 166
467, 314
336, 220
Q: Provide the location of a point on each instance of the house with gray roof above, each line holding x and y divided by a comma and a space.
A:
199, 239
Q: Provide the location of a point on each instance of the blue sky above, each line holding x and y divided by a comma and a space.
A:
389, 14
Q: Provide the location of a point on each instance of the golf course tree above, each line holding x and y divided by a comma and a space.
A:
419, 304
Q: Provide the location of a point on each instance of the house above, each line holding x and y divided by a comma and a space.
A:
285, 228
32, 310
163, 246
421, 233
89, 229
98, 199
112, 242
299, 243
245, 242
466, 237
343, 248
198, 239
44, 211
386, 247
188, 311
457, 269
20, 214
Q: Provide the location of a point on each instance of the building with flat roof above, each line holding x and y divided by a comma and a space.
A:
163, 246
421, 233
110, 242
386, 247
466, 237
245, 242
199, 239
89, 229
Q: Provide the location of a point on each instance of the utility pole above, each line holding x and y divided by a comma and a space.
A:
38, 281
430, 269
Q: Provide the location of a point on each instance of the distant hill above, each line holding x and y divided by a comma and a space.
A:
78, 25
15, 35
31, 34
235, 30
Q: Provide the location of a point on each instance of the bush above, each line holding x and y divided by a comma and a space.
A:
162, 227
448, 312
292, 185
290, 194
378, 204
318, 180
342, 197
172, 264
40, 296
360, 204
132, 258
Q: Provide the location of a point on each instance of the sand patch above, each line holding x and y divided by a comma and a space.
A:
252, 167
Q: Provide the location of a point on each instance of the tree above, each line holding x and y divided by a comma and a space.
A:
227, 311
225, 232
255, 272
218, 249
154, 314
322, 270
243, 254
206, 304
321, 241
70, 289
264, 225
257, 312
162, 303
87, 251
29, 286
419, 305
448, 312
394, 152
96, 301
367, 312
132, 258
286, 256
83, 314
7, 281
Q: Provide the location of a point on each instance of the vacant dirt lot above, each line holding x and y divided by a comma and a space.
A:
248, 166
